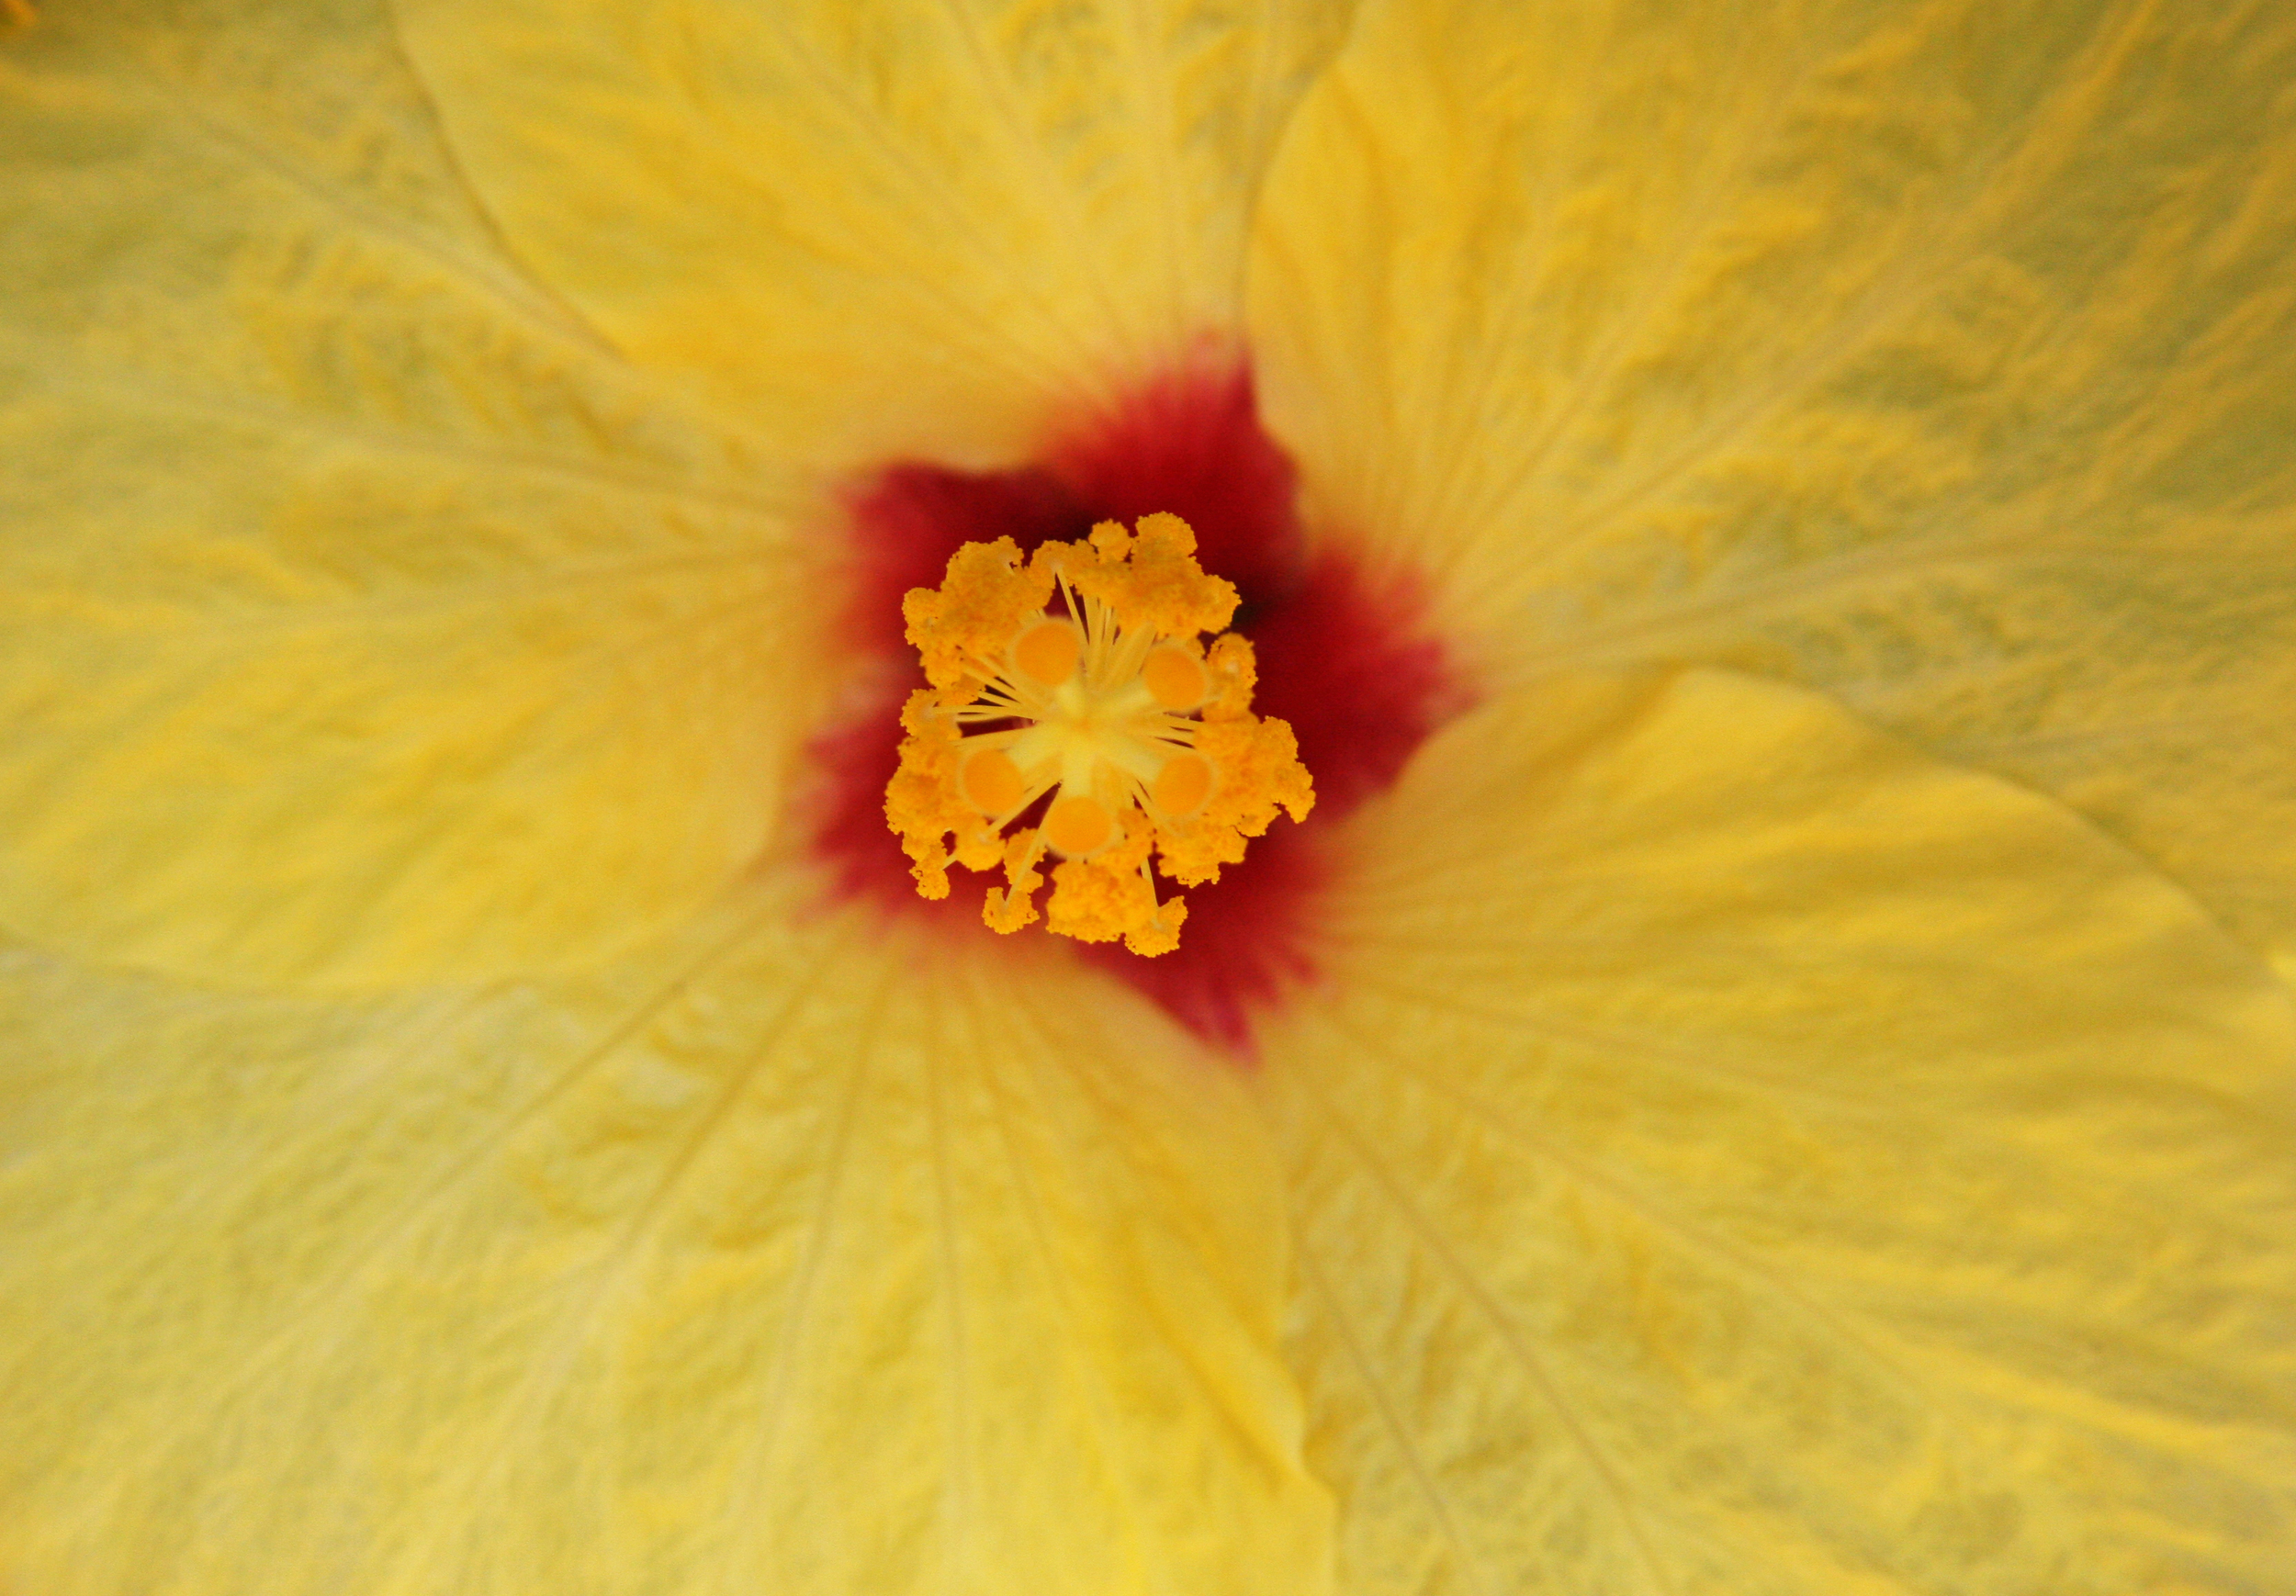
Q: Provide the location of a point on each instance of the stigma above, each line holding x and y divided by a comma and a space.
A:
1076, 714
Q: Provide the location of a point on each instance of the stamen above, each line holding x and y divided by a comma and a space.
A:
1047, 652
1079, 827
1182, 785
1176, 680
1144, 737
991, 782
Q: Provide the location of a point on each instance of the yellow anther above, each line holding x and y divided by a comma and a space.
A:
1182, 785
1079, 826
1259, 772
1048, 651
923, 806
1152, 581
1010, 910
1175, 680
1148, 736
1162, 933
1234, 674
991, 782
985, 596
1109, 896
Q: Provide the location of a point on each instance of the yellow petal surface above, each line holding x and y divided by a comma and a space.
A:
1942, 355
783, 1261
1740, 1155
362, 613
886, 227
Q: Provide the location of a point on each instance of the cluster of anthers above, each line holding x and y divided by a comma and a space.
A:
1112, 705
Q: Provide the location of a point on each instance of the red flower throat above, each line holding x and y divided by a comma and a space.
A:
1341, 662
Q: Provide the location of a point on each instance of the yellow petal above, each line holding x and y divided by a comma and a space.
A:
1945, 356
1741, 1154
361, 614
890, 227
787, 1261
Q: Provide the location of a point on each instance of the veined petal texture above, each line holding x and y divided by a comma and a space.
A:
364, 615
1943, 356
786, 1259
1742, 1154
885, 228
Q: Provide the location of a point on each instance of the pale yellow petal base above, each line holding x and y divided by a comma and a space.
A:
1942, 356
363, 617
1740, 1155
788, 1260
880, 228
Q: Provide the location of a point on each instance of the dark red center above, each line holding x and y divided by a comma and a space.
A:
1343, 663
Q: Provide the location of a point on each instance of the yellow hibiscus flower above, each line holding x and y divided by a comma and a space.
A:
1785, 1089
